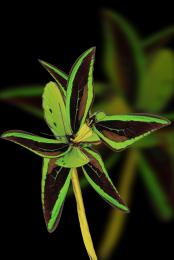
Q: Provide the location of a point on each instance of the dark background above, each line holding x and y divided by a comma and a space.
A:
59, 33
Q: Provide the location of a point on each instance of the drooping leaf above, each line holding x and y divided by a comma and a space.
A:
120, 131
80, 90
60, 77
75, 157
110, 162
54, 110
41, 146
157, 88
55, 184
98, 177
123, 59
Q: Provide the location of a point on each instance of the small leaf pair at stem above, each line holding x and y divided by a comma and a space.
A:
67, 111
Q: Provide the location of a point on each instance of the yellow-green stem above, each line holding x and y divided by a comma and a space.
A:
82, 216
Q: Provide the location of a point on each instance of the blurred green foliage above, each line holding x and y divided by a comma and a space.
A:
140, 78
141, 75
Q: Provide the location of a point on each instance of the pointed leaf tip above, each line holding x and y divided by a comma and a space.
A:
80, 89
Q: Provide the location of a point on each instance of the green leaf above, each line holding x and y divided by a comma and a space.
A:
60, 77
27, 98
55, 184
100, 89
80, 90
41, 146
123, 59
120, 131
147, 142
25, 91
98, 177
54, 110
156, 40
157, 88
155, 190
74, 158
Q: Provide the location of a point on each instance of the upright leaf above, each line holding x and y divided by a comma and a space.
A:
123, 54
158, 179
54, 110
80, 90
157, 88
60, 77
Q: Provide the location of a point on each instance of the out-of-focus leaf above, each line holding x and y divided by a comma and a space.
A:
158, 84
116, 222
123, 54
156, 189
27, 98
147, 142
167, 143
20, 92
158, 39
170, 116
30, 109
101, 89
170, 146
112, 105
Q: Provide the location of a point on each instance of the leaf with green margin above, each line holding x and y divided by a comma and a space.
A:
110, 162
44, 147
80, 90
158, 81
60, 77
96, 174
124, 59
74, 158
54, 186
120, 131
54, 110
